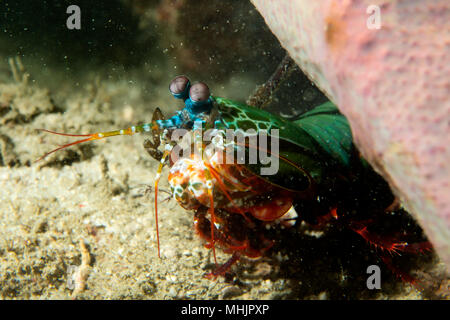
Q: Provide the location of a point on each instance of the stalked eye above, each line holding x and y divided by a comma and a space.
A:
199, 92
179, 86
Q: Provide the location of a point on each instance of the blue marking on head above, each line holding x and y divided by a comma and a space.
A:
196, 107
175, 122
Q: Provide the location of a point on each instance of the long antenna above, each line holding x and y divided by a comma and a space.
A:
97, 136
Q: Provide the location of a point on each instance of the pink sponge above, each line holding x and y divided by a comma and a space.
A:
392, 83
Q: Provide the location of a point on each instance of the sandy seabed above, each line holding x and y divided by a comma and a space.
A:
80, 223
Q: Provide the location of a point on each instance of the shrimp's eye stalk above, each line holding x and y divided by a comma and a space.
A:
199, 98
199, 93
179, 87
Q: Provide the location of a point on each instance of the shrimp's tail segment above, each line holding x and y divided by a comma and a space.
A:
98, 135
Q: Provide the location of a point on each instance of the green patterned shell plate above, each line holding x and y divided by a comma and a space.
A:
319, 139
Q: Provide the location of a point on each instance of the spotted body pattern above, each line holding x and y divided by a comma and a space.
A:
235, 188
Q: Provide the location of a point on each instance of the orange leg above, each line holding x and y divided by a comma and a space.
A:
225, 267
389, 244
167, 151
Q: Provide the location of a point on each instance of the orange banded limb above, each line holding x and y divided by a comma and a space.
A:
385, 243
209, 186
95, 136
